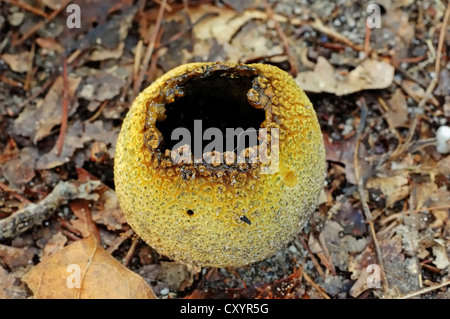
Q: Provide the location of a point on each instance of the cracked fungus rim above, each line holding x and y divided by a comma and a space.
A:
221, 214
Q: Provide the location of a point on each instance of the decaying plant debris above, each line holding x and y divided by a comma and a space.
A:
380, 95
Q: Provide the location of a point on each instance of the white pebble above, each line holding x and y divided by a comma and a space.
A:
443, 139
164, 291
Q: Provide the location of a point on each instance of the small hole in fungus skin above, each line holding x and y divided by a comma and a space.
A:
190, 212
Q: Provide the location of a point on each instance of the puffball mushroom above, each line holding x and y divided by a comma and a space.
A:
219, 208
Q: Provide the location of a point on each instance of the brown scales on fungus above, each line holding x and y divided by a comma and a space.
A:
219, 208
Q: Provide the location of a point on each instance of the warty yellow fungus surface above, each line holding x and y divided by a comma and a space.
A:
220, 215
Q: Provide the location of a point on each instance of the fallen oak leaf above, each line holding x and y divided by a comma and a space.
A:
17, 62
84, 270
84, 223
370, 74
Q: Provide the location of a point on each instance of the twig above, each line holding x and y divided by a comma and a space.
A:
27, 7
7, 189
400, 215
65, 110
326, 257
283, 38
315, 286
178, 35
26, 87
39, 25
431, 86
367, 41
311, 255
154, 60
437, 64
362, 194
37, 93
119, 240
425, 290
319, 26
150, 48
11, 82
130, 251
33, 214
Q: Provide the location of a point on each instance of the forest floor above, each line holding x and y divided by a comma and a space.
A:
380, 86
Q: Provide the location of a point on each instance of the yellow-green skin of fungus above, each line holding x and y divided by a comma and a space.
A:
200, 220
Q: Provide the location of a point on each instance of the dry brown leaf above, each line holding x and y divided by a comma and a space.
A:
223, 26
394, 187
55, 244
370, 74
176, 275
107, 211
17, 62
397, 115
15, 257
84, 223
99, 275
440, 252
74, 139
38, 122
7, 284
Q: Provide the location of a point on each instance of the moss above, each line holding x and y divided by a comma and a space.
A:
220, 214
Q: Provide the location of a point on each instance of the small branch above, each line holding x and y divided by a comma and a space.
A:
37, 93
39, 25
131, 251
319, 26
283, 38
27, 7
26, 87
311, 255
430, 88
315, 286
7, 189
150, 49
425, 290
367, 41
65, 110
362, 194
33, 214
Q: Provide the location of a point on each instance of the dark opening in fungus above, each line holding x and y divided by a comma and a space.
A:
190, 212
219, 102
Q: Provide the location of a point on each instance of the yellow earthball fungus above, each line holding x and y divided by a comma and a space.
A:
220, 212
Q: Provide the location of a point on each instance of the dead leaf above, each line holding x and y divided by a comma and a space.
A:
370, 74
342, 151
7, 284
225, 24
441, 259
21, 170
176, 275
394, 187
84, 223
15, 257
50, 44
99, 275
55, 244
73, 140
397, 115
17, 62
107, 211
38, 122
